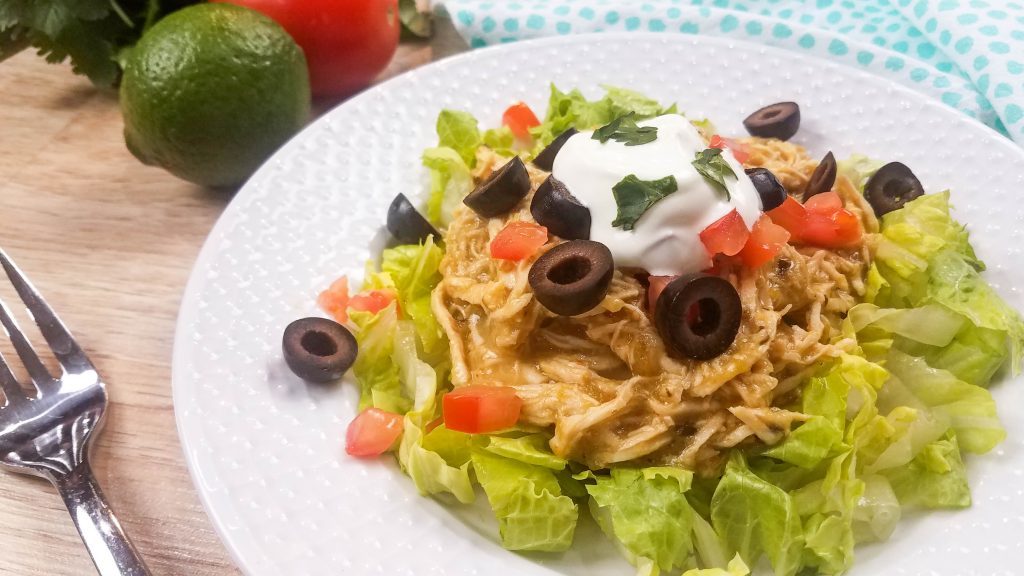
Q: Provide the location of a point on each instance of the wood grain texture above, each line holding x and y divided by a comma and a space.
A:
110, 243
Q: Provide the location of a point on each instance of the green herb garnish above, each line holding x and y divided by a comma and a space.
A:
624, 129
634, 196
713, 167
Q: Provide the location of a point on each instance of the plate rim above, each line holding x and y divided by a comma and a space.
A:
187, 309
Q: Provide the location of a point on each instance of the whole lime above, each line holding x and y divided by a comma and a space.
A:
211, 91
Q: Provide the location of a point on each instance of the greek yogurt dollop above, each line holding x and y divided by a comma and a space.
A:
666, 239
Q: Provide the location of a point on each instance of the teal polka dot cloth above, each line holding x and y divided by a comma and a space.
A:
967, 53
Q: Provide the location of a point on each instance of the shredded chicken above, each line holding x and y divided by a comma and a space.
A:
603, 382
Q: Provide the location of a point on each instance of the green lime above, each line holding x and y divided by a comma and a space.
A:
211, 91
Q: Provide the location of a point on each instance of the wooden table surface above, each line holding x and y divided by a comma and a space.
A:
110, 243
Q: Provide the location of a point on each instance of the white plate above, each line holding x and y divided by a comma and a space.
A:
266, 453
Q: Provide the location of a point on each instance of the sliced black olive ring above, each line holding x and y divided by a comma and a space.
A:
771, 191
318, 350
698, 316
891, 188
823, 178
556, 208
406, 224
572, 277
546, 159
780, 120
501, 191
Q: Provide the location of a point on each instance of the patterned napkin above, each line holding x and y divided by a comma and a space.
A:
966, 53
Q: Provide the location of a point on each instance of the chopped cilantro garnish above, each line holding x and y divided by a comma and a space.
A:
634, 196
624, 129
713, 167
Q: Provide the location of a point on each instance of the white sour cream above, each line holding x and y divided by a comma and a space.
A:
665, 240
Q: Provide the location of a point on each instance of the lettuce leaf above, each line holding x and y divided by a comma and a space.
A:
858, 168
924, 260
573, 110
934, 479
877, 511
421, 458
754, 517
528, 502
378, 375
736, 567
530, 449
969, 410
450, 181
458, 131
414, 271
646, 512
500, 140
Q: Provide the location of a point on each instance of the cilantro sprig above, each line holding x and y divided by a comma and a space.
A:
92, 33
624, 129
634, 196
713, 167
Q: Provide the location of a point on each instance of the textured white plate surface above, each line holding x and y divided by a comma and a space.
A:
266, 453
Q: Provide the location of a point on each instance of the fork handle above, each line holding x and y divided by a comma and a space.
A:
110, 548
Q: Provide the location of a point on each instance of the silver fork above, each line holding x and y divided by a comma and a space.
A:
49, 434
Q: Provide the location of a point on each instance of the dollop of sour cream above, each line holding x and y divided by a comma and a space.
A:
666, 240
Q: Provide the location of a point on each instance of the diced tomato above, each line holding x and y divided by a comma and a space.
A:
739, 150
373, 432
479, 409
519, 118
822, 221
766, 239
334, 300
373, 301
832, 231
654, 288
518, 240
790, 215
727, 235
826, 204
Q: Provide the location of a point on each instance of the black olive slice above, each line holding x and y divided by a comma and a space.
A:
546, 159
406, 224
501, 191
318, 350
772, 193
698, 316
573, 277
556, 208
780, 120
891, 187
823, 178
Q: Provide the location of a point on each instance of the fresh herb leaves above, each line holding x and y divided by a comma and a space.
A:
624, 129
634, 196
713, 167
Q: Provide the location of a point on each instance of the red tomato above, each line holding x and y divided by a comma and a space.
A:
518, 240
479, 409
727, 235
334, 300
519, 118
832, 231
739, 149
766, 239
347, 42
373, 432
826, 203
373, 301
654, 288
790, 215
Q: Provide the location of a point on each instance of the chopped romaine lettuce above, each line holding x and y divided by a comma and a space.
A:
458, 130
754, 517
736, 567
645, 510
431, 472
414, 271
450, 181
858, 168
528, 502
375, 369
530, 449
934, 479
